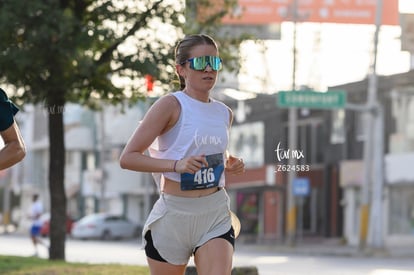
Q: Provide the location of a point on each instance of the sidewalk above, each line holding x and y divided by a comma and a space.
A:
328, 247
307, 247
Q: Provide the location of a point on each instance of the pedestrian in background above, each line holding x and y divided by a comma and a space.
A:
14, 149
35, 212
187, 133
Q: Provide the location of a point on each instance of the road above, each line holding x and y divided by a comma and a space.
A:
268, 262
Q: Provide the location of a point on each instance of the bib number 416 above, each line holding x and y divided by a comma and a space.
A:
204, 176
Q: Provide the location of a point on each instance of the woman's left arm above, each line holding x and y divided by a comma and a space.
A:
234, 165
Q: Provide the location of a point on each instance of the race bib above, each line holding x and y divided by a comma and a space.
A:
206, 177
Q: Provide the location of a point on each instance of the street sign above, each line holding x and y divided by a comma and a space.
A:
301, 187
334, 99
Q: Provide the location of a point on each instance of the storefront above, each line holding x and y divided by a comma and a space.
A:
398, 203
400, 182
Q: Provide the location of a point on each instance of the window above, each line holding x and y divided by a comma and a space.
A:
247, 141
338, 133
402, 210
360, 126
310, 141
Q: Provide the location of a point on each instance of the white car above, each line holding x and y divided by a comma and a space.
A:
105, 226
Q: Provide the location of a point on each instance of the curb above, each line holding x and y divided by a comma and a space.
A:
243, 270
334, 251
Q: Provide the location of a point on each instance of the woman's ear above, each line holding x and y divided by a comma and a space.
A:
180, 70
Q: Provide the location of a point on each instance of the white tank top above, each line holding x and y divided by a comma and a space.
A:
202, 129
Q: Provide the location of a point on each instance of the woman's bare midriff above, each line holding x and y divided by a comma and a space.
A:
173, 188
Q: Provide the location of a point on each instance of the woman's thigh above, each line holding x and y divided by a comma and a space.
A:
163, 268
215, 257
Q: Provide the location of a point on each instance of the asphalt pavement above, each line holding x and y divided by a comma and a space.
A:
306, 246
311, 256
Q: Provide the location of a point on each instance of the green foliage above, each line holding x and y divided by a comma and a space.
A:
79, 47
90, 52
30, 265
94, 50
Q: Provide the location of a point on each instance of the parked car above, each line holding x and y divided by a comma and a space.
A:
45, 229
105, 226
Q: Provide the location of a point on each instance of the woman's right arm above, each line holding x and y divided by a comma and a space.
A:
160, 118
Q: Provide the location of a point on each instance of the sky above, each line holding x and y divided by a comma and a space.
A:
327, 55
406, 6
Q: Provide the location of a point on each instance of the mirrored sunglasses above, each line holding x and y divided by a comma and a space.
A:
200, 63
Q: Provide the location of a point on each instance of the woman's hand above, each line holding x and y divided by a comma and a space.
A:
234, 165
190, 164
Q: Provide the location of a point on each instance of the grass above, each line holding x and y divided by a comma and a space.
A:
35, 266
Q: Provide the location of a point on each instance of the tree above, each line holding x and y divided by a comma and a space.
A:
60, 51
69, 51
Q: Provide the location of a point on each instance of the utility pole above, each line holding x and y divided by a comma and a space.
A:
371, 159
292, 144
376, 219
376, 222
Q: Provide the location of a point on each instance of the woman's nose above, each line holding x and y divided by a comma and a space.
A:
208, 68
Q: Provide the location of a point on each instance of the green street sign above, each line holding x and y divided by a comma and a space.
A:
333, 99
